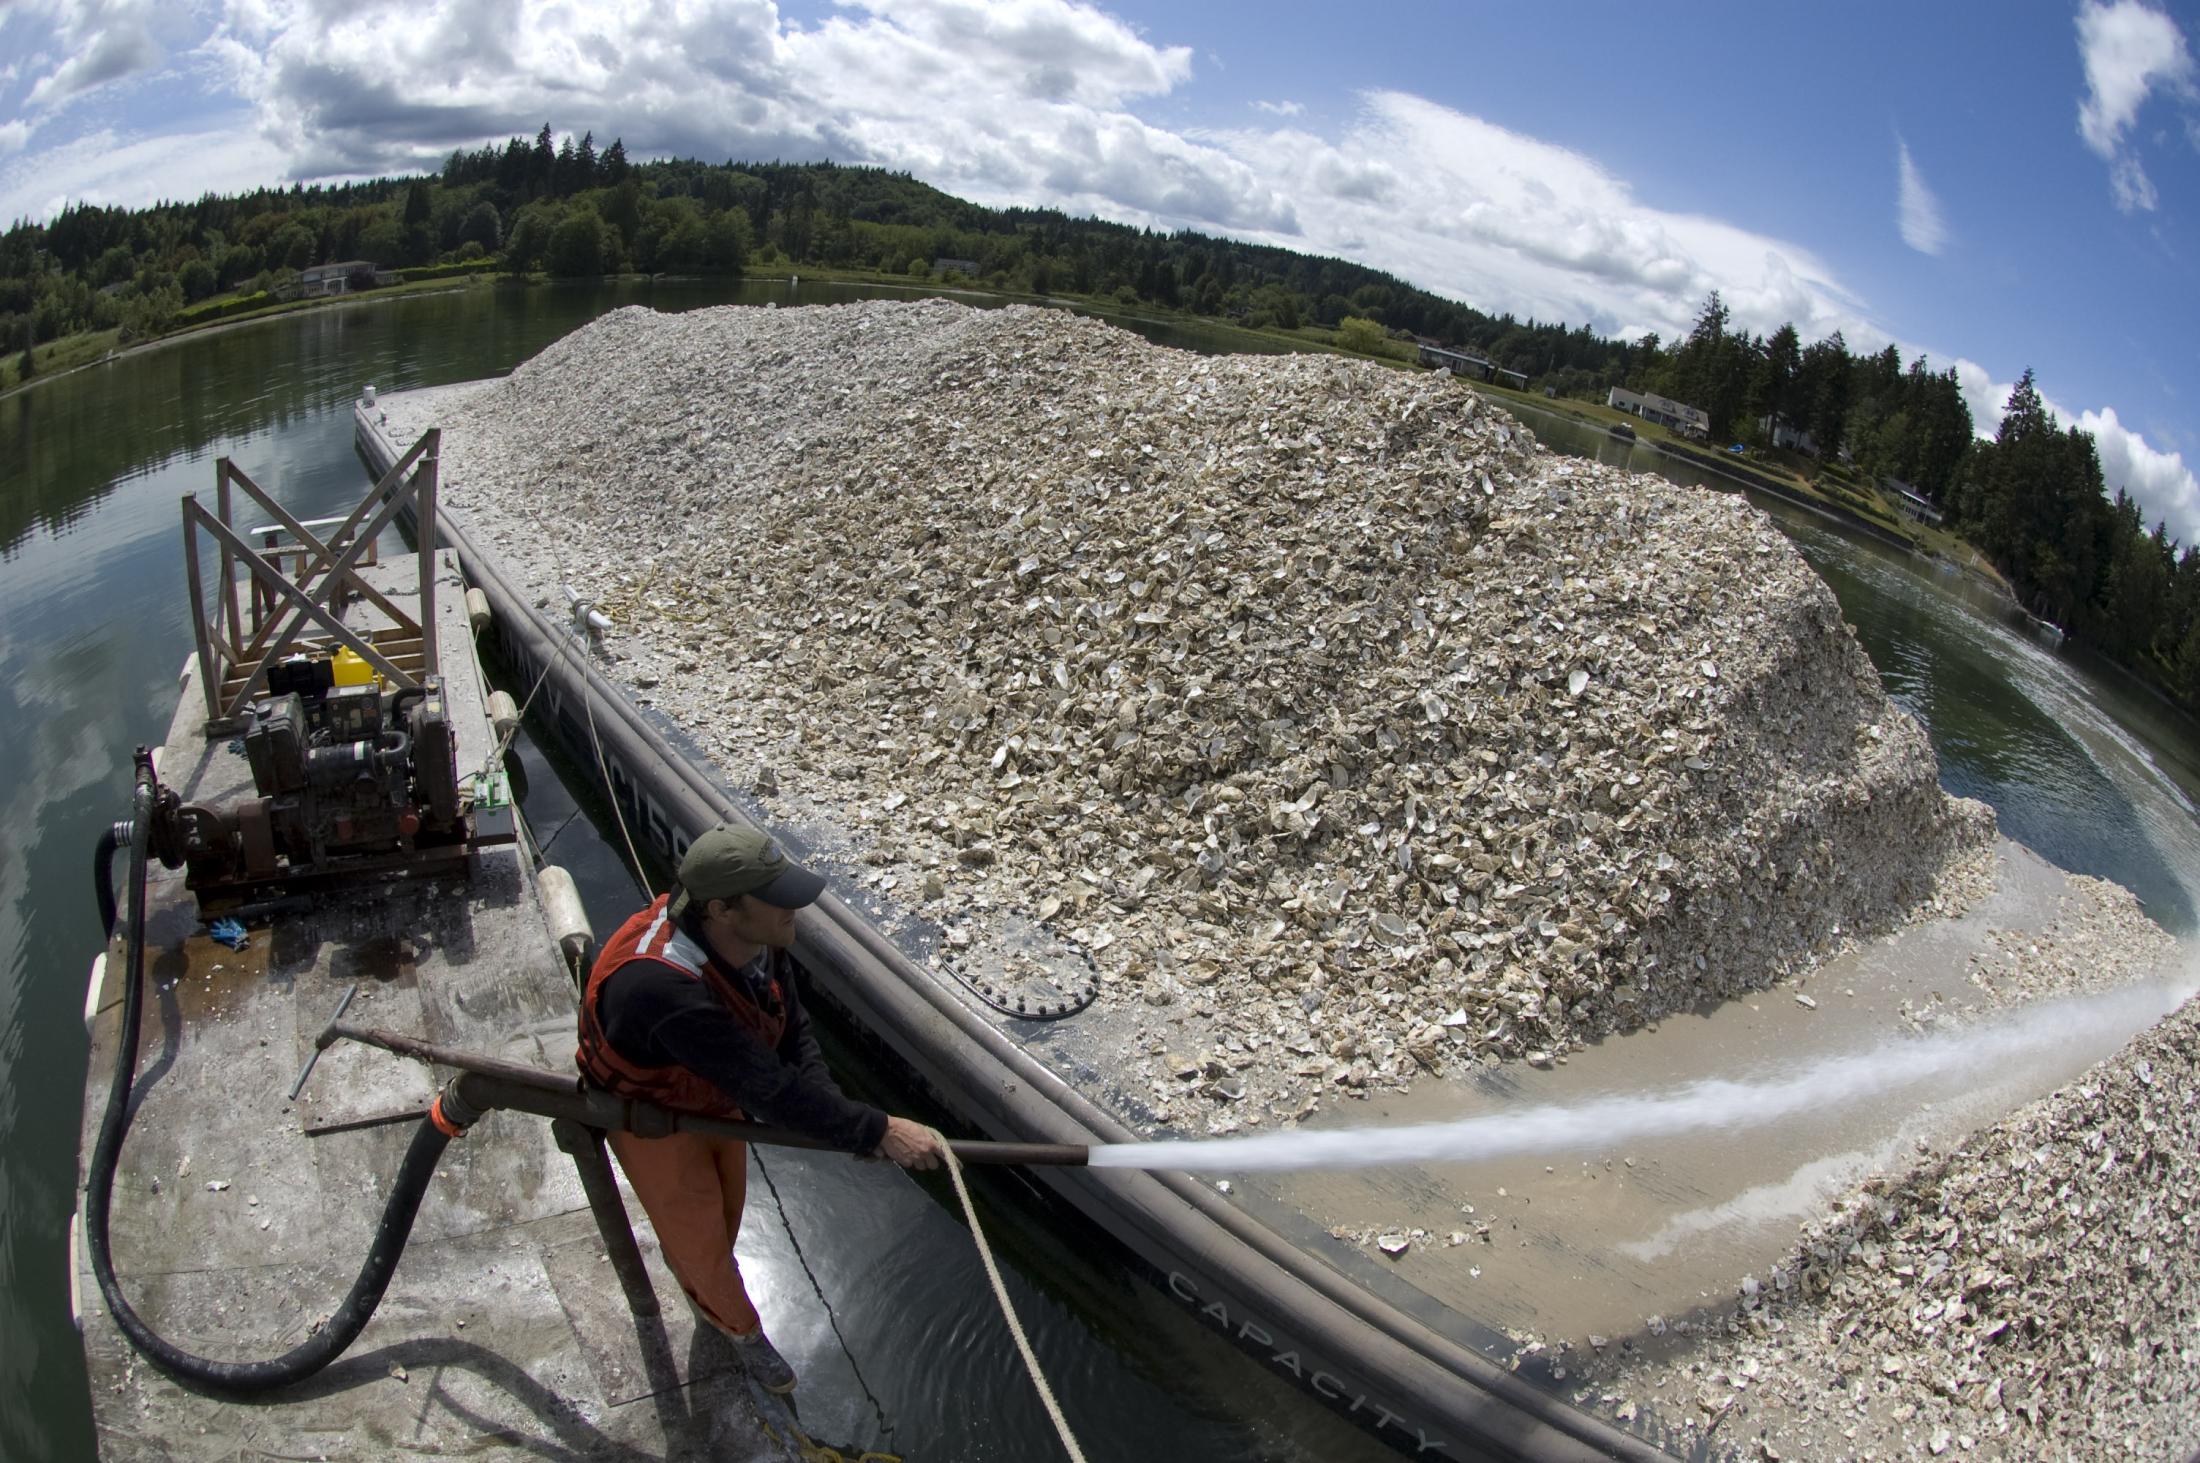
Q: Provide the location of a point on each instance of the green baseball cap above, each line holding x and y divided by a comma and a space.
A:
728, 861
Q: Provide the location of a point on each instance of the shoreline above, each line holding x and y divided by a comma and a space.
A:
410, 290
1740, 475
1565, 408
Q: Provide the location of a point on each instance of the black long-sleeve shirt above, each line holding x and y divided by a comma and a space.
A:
656, 1016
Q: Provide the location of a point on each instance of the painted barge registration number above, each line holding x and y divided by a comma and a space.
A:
1250, 1332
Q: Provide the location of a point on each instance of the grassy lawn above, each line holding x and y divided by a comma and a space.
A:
65, 354
92, 346
1826, 484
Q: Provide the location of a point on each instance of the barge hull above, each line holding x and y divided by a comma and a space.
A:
1416, 1388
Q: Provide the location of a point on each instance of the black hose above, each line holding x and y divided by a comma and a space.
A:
103, 874
398, 1212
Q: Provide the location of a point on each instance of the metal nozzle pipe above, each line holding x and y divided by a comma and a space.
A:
1044, 1155
488, 1083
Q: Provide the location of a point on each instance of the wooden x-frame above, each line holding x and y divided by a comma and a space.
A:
327, 569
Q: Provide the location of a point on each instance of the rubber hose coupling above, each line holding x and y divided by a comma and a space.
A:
451, 1113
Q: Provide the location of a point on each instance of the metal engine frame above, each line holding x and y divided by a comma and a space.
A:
351, 779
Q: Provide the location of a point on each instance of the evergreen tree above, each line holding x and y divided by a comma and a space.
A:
529, 240
1694, 366
1774, 387
513, 166
1823, 389
2188, 665
543, 163
726, 242
1943, 429
2024, 415
2023, 469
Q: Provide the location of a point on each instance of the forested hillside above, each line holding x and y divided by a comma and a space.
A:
2032, 499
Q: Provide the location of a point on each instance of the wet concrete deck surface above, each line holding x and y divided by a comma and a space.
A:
240, 1218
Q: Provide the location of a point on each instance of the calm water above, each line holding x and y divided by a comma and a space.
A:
92, 631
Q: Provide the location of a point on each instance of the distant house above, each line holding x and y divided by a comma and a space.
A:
1689, 421
1459, 363
1911, 501
944, 267
1780, 434
342, 277
1518, 380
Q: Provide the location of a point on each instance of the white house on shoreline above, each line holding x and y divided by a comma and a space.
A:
1687, 420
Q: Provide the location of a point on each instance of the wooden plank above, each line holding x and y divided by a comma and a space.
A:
306, 606
308, 542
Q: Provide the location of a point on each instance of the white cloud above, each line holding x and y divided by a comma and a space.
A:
1279, 109
13, 137
1029, 106
1518, 225
1030, 101
102, 167
2160, 482
1917, 211
2130, 186
2129, 49
2164, 487
100, 41
1003, 102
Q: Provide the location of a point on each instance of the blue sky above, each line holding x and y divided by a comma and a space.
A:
1995, 186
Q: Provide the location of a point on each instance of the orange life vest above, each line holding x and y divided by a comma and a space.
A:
654, 935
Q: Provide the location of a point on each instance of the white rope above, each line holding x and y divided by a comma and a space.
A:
504, 743
954, 1169
1008, 1311
588, 700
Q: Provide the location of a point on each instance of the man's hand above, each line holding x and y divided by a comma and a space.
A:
911, 1145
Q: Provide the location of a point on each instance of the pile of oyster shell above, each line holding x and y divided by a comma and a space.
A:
1317, 704
2029, 1295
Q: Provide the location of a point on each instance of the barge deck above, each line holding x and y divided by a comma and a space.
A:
239, 1216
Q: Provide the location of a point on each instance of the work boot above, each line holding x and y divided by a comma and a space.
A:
764, 1363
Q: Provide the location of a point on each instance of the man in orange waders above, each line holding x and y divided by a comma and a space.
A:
692, 1005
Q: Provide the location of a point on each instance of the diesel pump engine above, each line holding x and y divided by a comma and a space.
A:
349, 776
